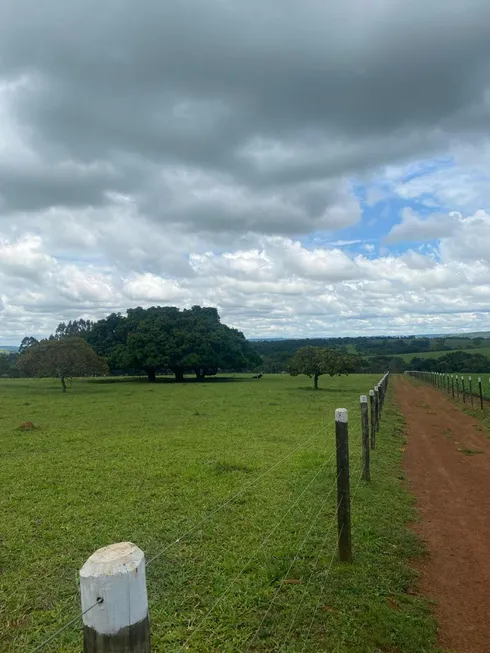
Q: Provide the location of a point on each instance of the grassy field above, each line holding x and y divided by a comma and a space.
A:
484, 351
127, 460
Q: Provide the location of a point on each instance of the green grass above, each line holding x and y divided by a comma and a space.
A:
470, 452
132, 461
484, 351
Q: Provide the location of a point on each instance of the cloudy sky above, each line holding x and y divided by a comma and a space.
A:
308, 167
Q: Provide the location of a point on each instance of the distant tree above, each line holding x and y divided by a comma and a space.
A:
27, 342
456, 361
316, 361
8, 364
73, 328
62, 359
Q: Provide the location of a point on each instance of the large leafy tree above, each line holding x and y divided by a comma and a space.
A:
64, 358
192, 340
166, 338
317, 361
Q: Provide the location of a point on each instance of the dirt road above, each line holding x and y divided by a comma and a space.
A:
448, 467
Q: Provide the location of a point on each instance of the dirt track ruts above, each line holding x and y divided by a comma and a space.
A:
452, 488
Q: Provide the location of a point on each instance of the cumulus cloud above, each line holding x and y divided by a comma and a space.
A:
415, 228
185, 152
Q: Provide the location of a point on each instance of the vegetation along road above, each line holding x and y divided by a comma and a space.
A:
120, 459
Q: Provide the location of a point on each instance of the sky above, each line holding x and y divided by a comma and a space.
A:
310, 168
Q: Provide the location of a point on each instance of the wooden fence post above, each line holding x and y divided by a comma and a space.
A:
463, 388
114, 576
366, 473
452, 384
471, 391
457, 386
373, 419
343, 484
481, 392
376, 408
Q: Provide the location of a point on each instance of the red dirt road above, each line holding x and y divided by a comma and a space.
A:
452, 487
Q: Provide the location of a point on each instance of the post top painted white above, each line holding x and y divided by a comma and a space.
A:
462, 378
469, 378
363, 399
113, 559
342, 415
376, 388
371, 392
115, 573
479, 379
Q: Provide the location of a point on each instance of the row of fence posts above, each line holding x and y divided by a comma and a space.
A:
369, 429
453, 384
113, 580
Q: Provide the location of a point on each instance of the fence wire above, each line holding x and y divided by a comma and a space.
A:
353, 427
40, 646
276, 593
254, 554
246, 487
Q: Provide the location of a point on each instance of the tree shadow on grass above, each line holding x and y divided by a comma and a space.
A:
170, 380
318, 390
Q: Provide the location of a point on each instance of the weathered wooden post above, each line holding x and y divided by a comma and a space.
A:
373, 419
480, 389
343, 484
114, 577
463, 389
366, 474
457, 386
380, 400
452, 384
471, 391
376, 408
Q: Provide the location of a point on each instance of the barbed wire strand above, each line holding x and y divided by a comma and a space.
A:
322, 547
246, 487
281, 584
329, 569
99, 601
257, 550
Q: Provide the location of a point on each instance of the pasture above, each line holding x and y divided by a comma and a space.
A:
115, 460
484, 351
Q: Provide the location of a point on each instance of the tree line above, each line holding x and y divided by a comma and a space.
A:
158, 339
163, 339
373, 350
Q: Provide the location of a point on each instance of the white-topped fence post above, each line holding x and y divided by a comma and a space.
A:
343, 484
114, 581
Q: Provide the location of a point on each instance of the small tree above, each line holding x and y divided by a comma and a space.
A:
62, 359
316, 361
